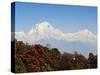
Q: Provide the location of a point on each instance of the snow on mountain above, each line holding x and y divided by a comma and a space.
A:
45, 30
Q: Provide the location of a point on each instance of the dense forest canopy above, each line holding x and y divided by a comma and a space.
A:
38, 58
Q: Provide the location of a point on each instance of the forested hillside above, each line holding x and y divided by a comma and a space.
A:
38, 58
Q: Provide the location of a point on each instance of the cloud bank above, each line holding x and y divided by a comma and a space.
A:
45, 30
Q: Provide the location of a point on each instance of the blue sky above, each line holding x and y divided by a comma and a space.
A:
68, 18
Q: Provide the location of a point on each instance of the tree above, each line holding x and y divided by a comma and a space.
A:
19, 66
54, 56
65, 62
92, 60
80, 61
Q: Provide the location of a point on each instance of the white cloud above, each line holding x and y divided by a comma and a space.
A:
46, 31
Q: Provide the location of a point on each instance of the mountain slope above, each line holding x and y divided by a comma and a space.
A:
45, 30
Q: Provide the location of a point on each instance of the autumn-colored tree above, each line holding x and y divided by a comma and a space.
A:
36, 58
72, 61
80, 62
21, 47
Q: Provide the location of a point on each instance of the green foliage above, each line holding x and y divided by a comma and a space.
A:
19, 66
92, 60
46, 67
55, 56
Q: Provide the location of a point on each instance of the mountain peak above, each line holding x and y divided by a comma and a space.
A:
43, 24
42, 27
39, 27
85, 30
44, 30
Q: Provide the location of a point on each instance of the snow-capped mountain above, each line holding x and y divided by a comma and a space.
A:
45, 30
